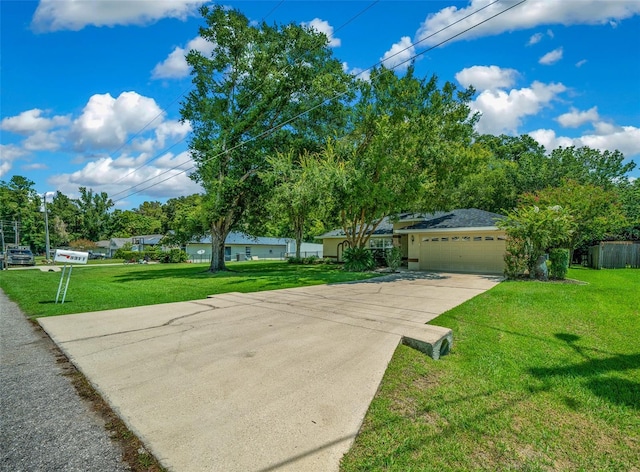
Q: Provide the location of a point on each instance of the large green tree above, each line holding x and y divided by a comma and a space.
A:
20, 213
408, 145
263, 89
93, 213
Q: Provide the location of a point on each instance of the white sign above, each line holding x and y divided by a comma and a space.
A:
200, 251
71, 257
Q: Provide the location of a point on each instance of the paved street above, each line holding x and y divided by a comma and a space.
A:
44, 425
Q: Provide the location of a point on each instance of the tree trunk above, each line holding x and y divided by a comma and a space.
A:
299, 228
219, 233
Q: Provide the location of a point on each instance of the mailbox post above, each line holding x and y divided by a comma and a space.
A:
68, 258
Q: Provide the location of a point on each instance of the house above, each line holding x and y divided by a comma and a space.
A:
240, 247
462, 240
138, 243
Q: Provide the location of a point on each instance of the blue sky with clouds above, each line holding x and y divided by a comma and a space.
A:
90, 90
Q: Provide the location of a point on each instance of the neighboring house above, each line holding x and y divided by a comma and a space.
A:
240, 247
138, 243
463, 240
306, 249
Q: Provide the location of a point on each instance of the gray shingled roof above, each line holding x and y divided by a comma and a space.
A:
462, 218
385, 228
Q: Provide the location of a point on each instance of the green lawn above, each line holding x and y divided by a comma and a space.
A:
543, 376
118, 286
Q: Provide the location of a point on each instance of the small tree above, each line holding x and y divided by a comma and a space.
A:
532, 231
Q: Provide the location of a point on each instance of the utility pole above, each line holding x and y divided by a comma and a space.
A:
3, 261
16, 235
46, 229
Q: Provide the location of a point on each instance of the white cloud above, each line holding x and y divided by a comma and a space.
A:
576, 118
487, 77
581, 63
175, 65
55, 15
503, 112
323, 26
399, 54
8, 154
527, 15
106, 122
119, 177
32, 121
551, 57
625, 139
535, 39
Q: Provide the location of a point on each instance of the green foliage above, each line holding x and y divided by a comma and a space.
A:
174, 256
358, 259
405, 137
304, 260
559, 263
531, 232
393, 258
256, 77
299, 193
595, 211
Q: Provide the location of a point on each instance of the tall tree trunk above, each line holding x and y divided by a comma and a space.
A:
299, 228
219, 233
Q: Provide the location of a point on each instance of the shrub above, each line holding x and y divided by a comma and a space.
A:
559, 263
358, 259
173, 256
294, 260
310, 260
393, 258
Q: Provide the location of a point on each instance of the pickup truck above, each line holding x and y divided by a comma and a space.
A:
19, 255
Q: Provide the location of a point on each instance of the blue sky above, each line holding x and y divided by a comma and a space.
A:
90, 90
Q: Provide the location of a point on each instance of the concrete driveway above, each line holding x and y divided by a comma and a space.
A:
277, 380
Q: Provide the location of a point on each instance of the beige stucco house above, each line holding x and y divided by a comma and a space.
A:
463, 240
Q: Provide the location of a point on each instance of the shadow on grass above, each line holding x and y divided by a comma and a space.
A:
599, 374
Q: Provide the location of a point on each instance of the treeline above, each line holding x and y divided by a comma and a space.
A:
81, 221
593, 185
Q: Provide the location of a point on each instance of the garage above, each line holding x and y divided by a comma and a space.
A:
465, 240
474, 252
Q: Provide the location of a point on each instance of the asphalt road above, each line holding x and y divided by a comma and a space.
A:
44, 424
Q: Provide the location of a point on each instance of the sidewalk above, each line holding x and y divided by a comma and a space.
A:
44, 425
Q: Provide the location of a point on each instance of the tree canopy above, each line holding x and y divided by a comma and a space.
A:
263, 89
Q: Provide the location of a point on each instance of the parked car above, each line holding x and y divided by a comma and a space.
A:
96, 255
19, 255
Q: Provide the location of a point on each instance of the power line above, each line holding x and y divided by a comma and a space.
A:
254, 92
286, 122
162, 111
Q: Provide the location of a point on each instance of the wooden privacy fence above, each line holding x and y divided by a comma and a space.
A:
615, 255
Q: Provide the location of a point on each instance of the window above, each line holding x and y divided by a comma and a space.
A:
435, 239
380, 243
477, 238
444, 239
247, 252
488, 238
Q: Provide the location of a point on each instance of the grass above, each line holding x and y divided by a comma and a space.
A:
103, 287
542, 377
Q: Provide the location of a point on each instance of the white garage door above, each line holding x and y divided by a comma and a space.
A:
481, 253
